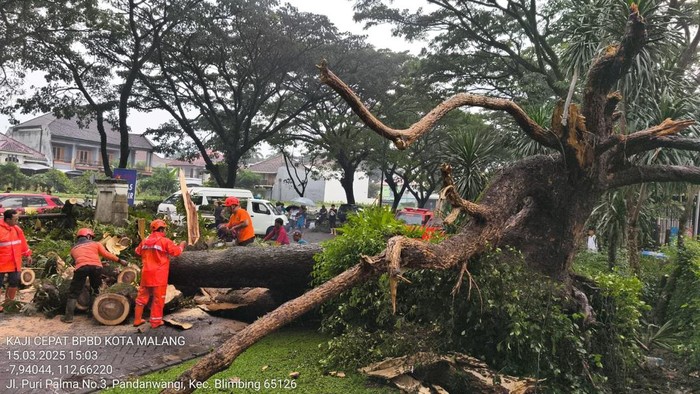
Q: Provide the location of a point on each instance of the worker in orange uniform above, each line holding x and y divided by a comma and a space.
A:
13, 246
155, 252
240, 222
86, 255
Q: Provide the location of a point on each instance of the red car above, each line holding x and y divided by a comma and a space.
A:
421, 217
28, 203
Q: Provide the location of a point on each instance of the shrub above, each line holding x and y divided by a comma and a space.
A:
514, 319
684, 304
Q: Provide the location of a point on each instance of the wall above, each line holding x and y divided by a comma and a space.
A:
320, 190
33, 138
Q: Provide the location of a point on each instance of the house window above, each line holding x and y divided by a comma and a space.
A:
12, 159
83, 156
57, 153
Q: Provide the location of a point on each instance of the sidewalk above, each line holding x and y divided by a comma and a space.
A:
48, 356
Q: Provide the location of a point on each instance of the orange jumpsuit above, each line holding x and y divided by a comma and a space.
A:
13, 246
155, 252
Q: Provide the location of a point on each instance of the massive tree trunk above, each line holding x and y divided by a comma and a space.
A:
286, 274
538, 205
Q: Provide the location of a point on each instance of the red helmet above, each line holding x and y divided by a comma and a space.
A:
231, 201
158, 223
84, 232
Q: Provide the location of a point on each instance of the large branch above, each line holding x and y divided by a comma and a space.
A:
644, 174
673, 142
607, 69
404, 138
616, 59
648, 137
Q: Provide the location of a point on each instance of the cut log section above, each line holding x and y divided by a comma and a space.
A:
287, 275
128, 275
27, 276
111, 309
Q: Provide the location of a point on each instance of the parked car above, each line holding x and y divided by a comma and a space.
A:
421, 217
347, 209
29, 203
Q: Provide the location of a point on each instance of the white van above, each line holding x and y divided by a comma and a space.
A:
262, 213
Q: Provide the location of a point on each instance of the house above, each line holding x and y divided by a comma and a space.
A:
27, 159
73, 149
196, 172
268, 169
323, 188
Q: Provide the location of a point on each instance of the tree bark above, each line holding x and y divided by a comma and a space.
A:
286, 274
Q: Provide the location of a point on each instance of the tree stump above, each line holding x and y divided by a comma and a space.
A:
111, 309
27, 276
128, 275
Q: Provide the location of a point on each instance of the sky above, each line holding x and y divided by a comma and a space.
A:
339, 12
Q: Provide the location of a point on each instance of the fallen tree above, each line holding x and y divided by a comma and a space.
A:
538, 205
286, 274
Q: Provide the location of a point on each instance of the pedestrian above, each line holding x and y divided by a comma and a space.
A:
301, 217
591, 241
332, 216
86, 255
322, 215
278, 233
13, 246
218, 213
240, 222
155, 252
296, 236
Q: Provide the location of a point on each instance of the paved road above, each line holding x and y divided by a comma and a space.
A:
39, 355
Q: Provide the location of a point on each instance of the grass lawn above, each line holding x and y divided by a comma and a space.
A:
269, 362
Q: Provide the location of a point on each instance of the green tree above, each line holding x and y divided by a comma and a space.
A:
337, 138
162, 182
91, 63
234, 74
248, 179
10, 175
53, 180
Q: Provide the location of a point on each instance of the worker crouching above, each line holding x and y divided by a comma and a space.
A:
155, 252
86, 254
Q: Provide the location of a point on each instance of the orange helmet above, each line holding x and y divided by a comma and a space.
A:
231, 201
84, 232
158, 223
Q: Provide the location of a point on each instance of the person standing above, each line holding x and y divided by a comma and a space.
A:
322, 215
301, 217
591, 241
278, 233
240, 222
332, 216
218, 213
155, 252
13, 246
86, 255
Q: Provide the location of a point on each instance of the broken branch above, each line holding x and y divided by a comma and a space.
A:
643, 174
404, 138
